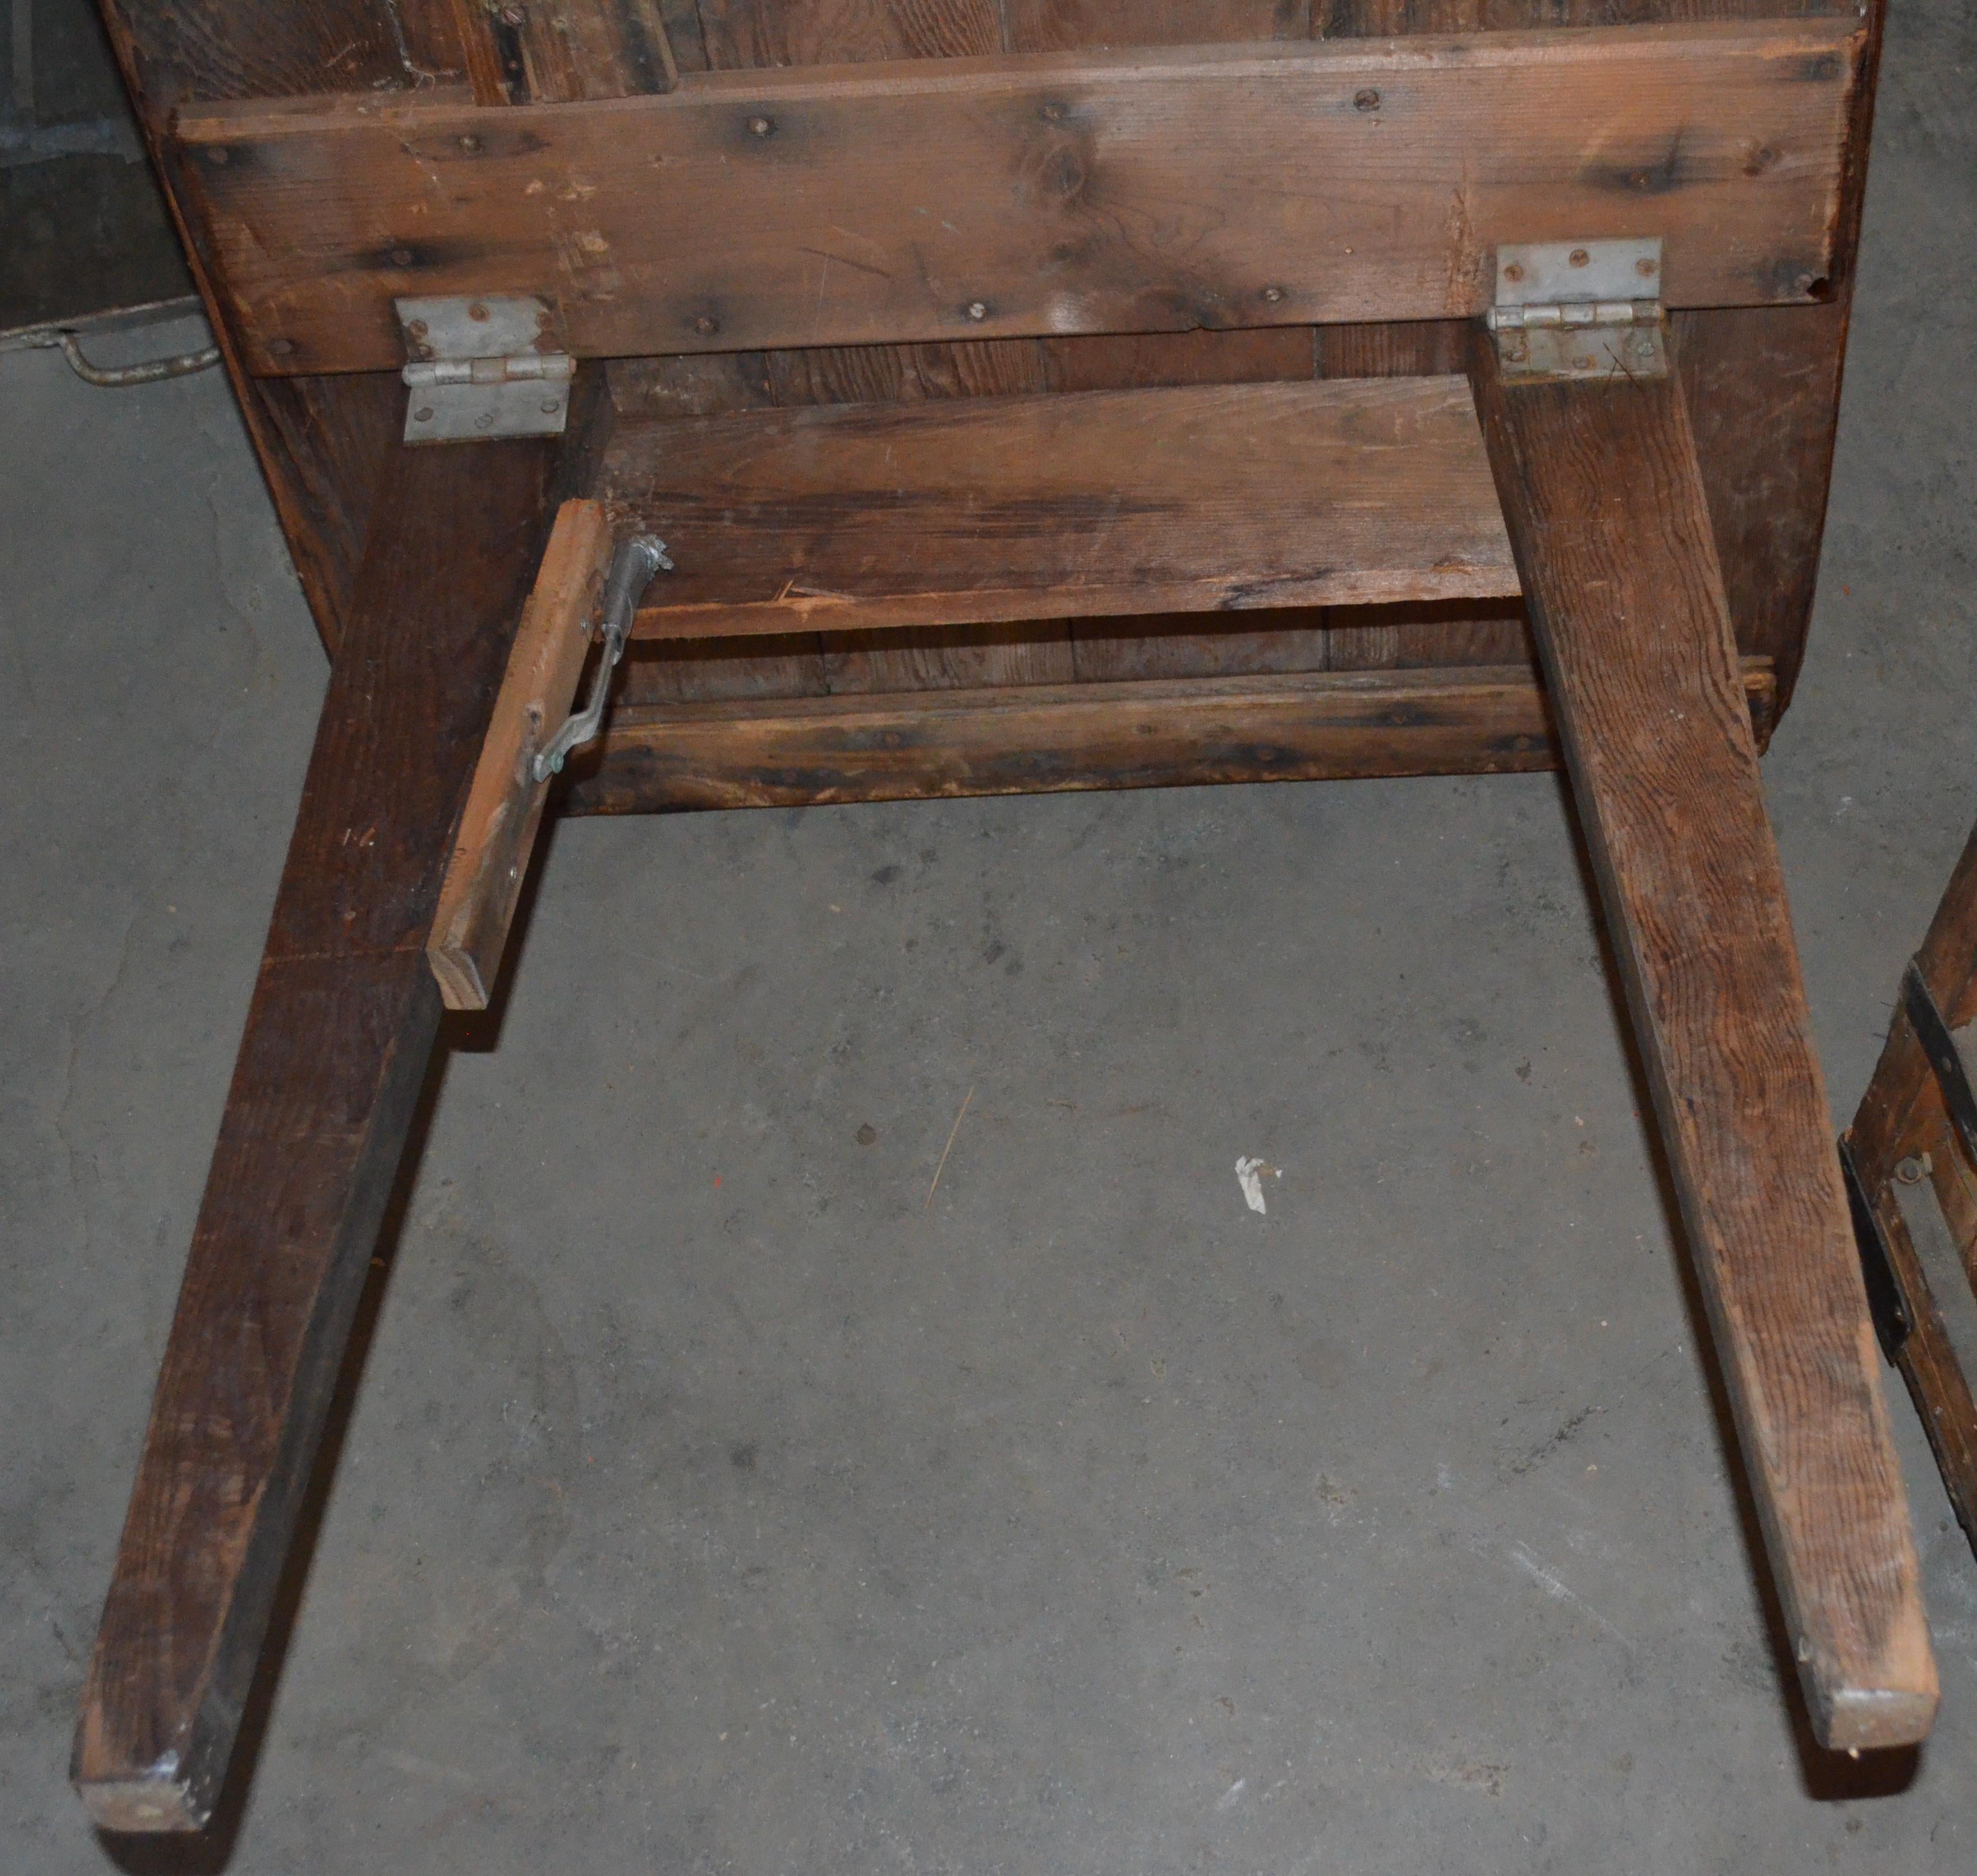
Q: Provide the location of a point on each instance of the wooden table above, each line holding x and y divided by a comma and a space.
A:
1033, 393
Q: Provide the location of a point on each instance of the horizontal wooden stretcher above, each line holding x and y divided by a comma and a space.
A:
1105, 401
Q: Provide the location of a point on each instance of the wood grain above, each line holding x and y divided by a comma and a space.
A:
1304, 726
342, 1021
1030, 738
562, 51
1902, 1116
504, 805
1606, 510
1203, 498
177, 51
1054, 193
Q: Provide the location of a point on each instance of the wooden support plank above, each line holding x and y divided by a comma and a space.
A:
504, 806
175, 51
562, 51
1212, 497
1051, 193
1606, 510
1301, 726
343, 1018
1902, 1116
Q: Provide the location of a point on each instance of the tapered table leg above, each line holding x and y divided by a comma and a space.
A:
1606, 514
339, 1032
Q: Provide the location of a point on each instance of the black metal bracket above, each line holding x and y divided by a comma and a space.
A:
1939, 1044
1886, 1303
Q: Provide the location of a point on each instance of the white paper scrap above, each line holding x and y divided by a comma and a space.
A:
1249, 1175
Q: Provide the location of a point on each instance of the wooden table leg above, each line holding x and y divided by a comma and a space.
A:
338, 1035
1606, 509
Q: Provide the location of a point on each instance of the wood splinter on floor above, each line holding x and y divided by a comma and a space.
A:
946, 1149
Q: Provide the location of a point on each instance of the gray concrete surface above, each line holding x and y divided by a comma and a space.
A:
713, 1501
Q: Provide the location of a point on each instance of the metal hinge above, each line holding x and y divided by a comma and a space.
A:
1580, 309
479, 368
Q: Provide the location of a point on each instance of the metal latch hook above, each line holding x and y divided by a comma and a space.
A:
632, 567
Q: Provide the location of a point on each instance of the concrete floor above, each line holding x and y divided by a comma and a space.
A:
712, 1501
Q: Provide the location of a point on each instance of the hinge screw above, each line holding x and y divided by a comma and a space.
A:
1272, 294
760, 127
1579, 257
1514, 271
422, 417
976, 310
1366, 101
1910, 1171
706, 327
1644, 266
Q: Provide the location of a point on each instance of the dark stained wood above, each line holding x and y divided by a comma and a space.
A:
1606, 510
176, 51
1065, 26
1019, 740
342, 1021
1152, 733
1902, 1116
560, 51
1201, 498
1764, 392
326, 446
504, 806
1015, 186
761, 35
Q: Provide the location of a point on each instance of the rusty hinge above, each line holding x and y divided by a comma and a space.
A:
482, 368
1580, 309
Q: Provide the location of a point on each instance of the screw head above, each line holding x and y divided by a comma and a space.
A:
706, 326
1514, 271
220, 156
977, 310
761, 126
1645, 266
477, 311
470, 145
417, 329
402, 257
1910, 1171
1368, 100
1272, 294
422, 417
1579, 257
281, 348
1583, 362
485, 421
551, 406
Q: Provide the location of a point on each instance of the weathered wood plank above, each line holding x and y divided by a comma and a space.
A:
561, 51
343, 1018
1606, 510
504, 806
1193, 498
1260, 185
1303, 726
1902, 1116
175, 51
